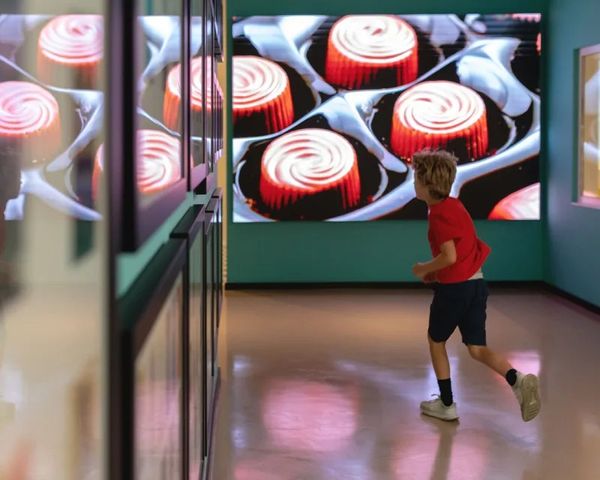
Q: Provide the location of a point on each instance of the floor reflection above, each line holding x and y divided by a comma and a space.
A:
326, 386
308, 415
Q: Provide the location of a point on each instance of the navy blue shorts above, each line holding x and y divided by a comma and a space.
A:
459, 305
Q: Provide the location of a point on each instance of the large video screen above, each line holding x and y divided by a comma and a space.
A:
328, 112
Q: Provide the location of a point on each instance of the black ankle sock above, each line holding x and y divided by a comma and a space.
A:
446, 391
511, 377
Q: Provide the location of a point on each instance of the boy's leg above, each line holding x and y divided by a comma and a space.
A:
490, 358
443, 319
472, 327
439, 358
525, 387
442, 407
441, 366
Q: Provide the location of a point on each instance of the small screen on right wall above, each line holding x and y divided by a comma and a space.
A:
328, 112
589, 136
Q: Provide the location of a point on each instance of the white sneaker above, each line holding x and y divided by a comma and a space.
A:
527, 391
436, 408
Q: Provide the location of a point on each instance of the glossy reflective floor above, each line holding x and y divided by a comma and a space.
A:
326, 385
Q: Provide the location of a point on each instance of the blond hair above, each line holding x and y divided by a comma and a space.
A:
436, 170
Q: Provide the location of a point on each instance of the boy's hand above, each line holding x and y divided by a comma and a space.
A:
420, 271
430, 278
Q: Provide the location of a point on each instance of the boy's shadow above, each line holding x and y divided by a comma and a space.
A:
443, 453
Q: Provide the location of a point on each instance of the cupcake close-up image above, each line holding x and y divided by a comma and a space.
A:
392, 86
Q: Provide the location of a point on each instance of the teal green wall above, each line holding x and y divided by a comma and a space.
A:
130, 265
573, 262
377, 251
364, 252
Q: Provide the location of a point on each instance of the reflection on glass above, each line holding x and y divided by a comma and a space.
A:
160, 107
70, 49
210, 332
329, 111
51, 295
196, 364
50, 111
197, 83
159, 162
217, 94
158, 382
209, 79
590, 126
308, 415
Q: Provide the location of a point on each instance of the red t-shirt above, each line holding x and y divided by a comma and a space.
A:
449, 220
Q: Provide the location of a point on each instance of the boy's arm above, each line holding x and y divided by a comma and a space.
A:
446, 258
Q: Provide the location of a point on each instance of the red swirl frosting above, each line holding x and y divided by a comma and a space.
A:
261, 90
523, 204
158, 164
371, 51
309, 162
29, 122
432, 114
74, 43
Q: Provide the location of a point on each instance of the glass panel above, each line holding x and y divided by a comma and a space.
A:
590, 127
209, 127
160, 109
197, 339
209, 307
197, 83
52, 240
158, 380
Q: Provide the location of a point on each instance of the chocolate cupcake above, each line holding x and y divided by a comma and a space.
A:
309, 163
434, 114
523, 204
261, 93
371, 51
